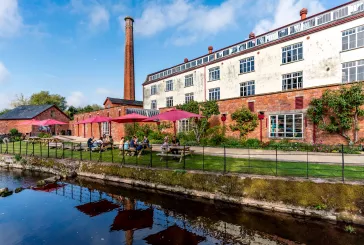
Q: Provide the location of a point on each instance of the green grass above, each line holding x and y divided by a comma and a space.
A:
198, 162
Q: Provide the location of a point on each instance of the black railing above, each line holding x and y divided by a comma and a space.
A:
336, 162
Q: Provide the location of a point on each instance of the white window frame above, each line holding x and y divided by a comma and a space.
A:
153, 90
247, 88
293, 52
214, 94
214, 74
105, 128
169, 85
189, 97
275, 132
353, 71
294, 78
153, 105
184, 125
247, 65
189, 80
353, 38
169, 101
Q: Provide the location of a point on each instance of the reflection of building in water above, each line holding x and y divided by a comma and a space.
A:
96, 208
174, 235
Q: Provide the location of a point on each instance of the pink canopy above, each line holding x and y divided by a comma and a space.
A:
97, 119
129, 118
173, 115
49, 122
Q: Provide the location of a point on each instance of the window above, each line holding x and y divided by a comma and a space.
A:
286, 126
105, 128
169, 102
153, 90
52, 114
226, 52
353, 38
353, 71
214, 74
188, 97
211, 57
292, 80
184, 125
169, 85
292, 53
189, 80
247, 88
214, 94
153, 105
247, 65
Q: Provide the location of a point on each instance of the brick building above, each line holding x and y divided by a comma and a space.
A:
275, 74
20, 114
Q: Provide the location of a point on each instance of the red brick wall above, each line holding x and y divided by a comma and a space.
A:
278, 103
117, 129
6, 125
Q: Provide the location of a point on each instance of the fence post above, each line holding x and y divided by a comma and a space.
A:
248, 159
343, 163
276, 160
13, 146
151, 156
80, 151
136, 156
7, 148
40, 147
307, 162
100, 156
72, 151
90, 149
26, 149
112, 153
123, 161
184, 157
167, 159
62, 150
48, 149
20, 146
56, 151
224, 159
203, 158
1, 147
33, 149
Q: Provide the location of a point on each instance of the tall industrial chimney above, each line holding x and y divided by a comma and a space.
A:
129, 79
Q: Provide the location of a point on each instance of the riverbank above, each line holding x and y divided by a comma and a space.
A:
327, 200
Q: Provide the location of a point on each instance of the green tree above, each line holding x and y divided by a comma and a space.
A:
44, 97
338, 111
245, 121
207, 109
19, 100
4, 111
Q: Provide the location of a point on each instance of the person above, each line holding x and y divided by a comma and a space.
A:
133, 143
127, 145
165, 145
111, 141
90, 142
175, 142
121, 144
138, 146
145, 142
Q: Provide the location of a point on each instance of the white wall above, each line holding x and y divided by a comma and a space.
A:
321, 65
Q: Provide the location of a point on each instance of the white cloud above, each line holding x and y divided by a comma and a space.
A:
10, 19
5, 101
98, 16
76, 99
103, 91
4, 73
287, 11
190, 20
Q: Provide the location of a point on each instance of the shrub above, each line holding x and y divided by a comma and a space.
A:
252, 143
244, 121
44, 135
14, 132
215, 136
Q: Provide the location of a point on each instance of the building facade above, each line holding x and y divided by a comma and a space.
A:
301, 60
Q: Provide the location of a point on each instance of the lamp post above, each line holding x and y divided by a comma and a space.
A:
223, 119
261, 118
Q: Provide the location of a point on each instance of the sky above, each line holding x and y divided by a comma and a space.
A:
75, 48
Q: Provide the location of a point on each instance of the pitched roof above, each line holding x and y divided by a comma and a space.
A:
25, 112
124, 102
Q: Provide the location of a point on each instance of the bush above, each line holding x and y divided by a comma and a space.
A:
251, 143
44, 135
14, 132
215, 136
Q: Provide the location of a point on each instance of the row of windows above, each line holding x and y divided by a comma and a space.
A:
353, 38
324, 18
353, 71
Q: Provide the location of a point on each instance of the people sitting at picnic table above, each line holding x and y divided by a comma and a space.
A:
175, 142
145, 142
90, 142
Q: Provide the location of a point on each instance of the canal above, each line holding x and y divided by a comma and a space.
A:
85, 211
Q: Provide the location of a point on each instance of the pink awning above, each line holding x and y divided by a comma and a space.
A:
32, 122
49, 122
130, 118
97, 119
173, 115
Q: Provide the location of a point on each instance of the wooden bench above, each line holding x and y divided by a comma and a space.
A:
185, 151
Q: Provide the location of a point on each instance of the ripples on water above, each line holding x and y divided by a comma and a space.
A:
85, 212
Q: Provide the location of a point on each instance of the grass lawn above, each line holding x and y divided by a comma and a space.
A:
197, 162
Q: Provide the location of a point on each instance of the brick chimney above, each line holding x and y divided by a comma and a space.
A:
252, 35
129, 78
303, 13
210, 48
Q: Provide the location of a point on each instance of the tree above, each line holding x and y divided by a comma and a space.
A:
245, 121
338, 111
71, 111
4, 111
44, 97
207, 109
19, 100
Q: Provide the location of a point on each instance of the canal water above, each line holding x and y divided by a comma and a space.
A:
94, 212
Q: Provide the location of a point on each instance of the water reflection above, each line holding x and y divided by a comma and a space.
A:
91, 212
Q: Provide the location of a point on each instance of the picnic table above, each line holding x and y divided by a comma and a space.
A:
131, 151
33, 139
182, 151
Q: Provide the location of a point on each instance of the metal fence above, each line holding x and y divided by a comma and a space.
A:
319, 161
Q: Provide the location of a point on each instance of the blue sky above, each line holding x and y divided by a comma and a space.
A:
76, 47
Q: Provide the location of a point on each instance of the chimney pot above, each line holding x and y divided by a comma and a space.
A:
303, 13
185, 60
251, 35
210, 48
